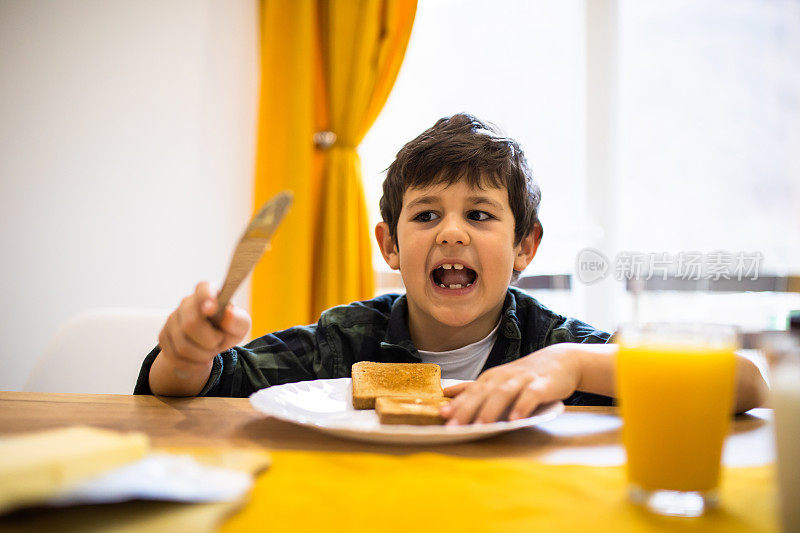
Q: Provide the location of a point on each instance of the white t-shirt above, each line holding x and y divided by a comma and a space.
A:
465, 362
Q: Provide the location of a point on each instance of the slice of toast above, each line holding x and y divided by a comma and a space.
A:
410, 380
415, 411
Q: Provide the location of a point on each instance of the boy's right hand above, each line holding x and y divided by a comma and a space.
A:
189, 342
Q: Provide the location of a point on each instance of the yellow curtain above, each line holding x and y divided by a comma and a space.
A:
327, 65
281, 288
363, 43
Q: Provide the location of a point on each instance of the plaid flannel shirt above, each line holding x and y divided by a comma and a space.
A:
376, 330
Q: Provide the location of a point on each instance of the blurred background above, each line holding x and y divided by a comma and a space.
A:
658, 132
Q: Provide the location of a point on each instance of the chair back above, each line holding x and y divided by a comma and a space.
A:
97, 351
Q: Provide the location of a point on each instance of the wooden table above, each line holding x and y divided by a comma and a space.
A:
583, 435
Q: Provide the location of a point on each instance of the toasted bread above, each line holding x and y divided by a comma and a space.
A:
415, 411
409, 380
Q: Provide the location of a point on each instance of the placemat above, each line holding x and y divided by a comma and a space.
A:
434, 492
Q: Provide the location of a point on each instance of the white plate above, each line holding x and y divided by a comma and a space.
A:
326, 405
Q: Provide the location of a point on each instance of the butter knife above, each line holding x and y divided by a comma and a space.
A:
252, 245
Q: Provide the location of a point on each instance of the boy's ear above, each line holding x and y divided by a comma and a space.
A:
527, 247
387, 245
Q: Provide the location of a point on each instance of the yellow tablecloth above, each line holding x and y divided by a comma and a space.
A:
305, 491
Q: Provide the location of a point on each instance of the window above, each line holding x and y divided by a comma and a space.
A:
705, 125
709, 118
709, 125
517, 64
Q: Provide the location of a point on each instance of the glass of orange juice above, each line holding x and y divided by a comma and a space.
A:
675, 384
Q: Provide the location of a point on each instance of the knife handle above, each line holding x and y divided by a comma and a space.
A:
247, 254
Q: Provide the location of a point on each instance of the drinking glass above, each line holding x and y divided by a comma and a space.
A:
783, 356
676, 391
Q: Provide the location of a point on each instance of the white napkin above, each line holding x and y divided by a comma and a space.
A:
161, 477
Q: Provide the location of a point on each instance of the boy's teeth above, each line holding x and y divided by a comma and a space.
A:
448, 266
454, 286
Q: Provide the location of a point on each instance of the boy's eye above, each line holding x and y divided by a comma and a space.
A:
479, 215
426, 216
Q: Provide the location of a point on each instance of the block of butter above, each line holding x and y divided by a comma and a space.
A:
35, 466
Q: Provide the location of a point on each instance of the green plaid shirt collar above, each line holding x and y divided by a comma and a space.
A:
397, 340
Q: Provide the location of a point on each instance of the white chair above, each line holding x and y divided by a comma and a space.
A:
97, 351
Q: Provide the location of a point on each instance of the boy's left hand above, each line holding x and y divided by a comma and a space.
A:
516, 388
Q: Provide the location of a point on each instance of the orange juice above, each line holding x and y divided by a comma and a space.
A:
676, 402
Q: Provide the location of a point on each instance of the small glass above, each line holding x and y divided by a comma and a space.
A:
782, 350
676, 390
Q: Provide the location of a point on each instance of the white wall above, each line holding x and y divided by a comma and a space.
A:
127, 133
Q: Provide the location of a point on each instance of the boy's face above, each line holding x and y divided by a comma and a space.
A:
455, 251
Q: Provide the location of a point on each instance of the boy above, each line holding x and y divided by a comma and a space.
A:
460, 222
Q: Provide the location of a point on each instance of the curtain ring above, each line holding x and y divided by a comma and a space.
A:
324, 139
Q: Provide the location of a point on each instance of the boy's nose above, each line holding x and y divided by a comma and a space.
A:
451, 232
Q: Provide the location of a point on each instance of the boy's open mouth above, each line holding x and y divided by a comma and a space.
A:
453, 276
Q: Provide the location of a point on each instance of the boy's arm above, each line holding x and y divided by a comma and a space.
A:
189, 342
554, 373
299, 353
164, 380
597, 376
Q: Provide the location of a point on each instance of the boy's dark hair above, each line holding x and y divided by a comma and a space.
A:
463, 147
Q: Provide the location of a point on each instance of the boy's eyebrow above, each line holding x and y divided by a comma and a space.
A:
422, 200
431, 199
485, 200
